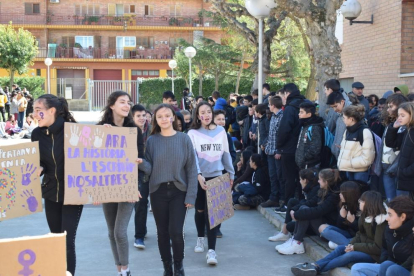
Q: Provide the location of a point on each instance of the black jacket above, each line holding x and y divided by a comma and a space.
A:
327, 209
261, 182
308, 153
311, 197
52, 159
247, 122
398, 245
404, 142
289, 129
264, 125
351, 227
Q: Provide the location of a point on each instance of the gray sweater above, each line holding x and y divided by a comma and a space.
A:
172, 158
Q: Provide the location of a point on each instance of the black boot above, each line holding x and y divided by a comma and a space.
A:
178, 268
168, 271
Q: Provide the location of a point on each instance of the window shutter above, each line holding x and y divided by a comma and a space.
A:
151, 10
97, 9
151, 41
28, 8
132, 8
97, 41
146, 10
78, 9
177, 10
111, 9
71, 41
112, 42
36, 8
126, 8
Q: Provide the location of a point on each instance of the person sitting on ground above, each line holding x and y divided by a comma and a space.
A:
398, 242
347, 224
364, 247
238, 147
326, 211
28, 126
243, 171
308, 153
11, 126
257, 191
310, 187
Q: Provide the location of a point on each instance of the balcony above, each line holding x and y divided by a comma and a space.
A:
105, 53
105, 20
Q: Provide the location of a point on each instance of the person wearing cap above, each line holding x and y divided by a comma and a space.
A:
358, 90
401, 89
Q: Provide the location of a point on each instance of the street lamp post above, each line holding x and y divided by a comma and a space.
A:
260, 9
172, 64
190, 52
48, 62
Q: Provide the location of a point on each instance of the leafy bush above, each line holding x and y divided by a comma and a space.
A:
33, 84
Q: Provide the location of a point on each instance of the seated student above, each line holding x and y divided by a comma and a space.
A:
308, 153
28, 126
357, 147
397, 246
11, 126
364, 247
238, 147
257, 191
243, 172
310, 187
325, 211
347, 224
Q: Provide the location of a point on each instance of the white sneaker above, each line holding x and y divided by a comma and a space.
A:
332, 245
279, 237
295, 247
286, 243
199, 248
211, 257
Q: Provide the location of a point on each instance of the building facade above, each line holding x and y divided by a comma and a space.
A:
107, 40
380, 55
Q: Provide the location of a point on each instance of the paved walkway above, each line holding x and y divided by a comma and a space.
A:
243, 250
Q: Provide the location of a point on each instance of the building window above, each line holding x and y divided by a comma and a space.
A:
31, 8
145, 73
38, 72
175, 10
147, 42
84, 41
129, 8
149, 10
89, 9
125, 41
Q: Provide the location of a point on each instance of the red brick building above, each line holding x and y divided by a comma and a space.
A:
106, 39
380, 55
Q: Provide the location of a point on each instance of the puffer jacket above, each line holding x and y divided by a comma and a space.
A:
354, 155
404, 142
308, 153
398, 245
369, 239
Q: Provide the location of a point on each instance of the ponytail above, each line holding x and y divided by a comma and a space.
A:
331, 176
60, 104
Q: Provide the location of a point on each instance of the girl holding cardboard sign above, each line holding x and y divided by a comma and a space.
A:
213, 156
117, 113
52, 113
173, 185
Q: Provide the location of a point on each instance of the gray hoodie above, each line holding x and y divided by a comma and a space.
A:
339, 131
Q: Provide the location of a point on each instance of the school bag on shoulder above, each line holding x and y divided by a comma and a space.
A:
376, 167
230, 114
328, 160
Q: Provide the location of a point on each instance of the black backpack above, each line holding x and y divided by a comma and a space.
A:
230, 114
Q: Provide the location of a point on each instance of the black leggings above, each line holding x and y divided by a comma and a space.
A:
61, 218
302, 226
169, 213
201, 218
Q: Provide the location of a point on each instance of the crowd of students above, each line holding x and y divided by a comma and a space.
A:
329, 173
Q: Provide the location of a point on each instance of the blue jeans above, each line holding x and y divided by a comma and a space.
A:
339, 258
383, 269
336, 235
363, 176
20, 119
277, 190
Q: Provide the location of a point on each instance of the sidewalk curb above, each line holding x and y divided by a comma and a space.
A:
313, 245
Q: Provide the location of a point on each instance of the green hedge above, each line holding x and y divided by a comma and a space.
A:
151, 89
33, 84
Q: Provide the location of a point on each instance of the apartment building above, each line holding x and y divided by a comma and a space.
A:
380, 55
107, 40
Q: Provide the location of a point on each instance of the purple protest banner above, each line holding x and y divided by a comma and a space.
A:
219, 200
100, 164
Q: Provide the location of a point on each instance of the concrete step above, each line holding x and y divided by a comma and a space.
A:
315, 247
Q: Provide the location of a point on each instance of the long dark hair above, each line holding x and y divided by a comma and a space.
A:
372, 208
311, 175
196, 124
351, 193
155, 127
108, 116
60, 104
331, 176
395, 99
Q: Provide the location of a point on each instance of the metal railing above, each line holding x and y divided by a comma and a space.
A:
122, 20
94, 52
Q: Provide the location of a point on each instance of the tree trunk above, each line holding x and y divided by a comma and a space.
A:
11, 80
311, 89
326, 55
200, 81
240, 70
216, 81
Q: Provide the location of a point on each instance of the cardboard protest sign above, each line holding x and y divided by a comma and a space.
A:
40, 255
20, 189
219, 200
100, 164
